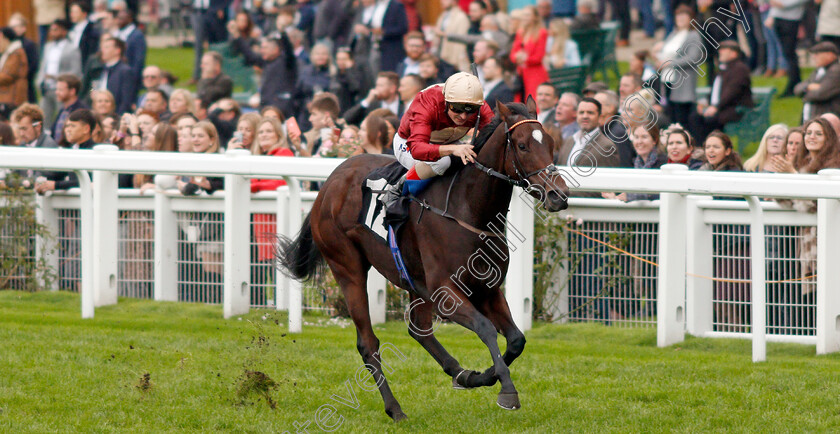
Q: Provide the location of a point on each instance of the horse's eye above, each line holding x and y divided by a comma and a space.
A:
522, 146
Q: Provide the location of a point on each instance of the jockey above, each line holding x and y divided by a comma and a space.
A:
439, 116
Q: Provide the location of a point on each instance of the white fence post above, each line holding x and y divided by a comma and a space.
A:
105, 233
377, 296
47, 249
86, 214
699, 313
519, 282
759, 288
237, 292
281, 298
828, 273
166, 249
670, 314
295, 221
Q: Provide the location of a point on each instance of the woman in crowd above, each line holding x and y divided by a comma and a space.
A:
731, 298
205, 229
350, 81
270, 140
181, 101
794, 141
562, 51
720, 155
772, 145
135, 226
528, 52
102, 102
680, 49
820, 150
146, 120
680, 147
246, 130
429, 66
183, 124
650, 154
272, 112
374, 136
110, 127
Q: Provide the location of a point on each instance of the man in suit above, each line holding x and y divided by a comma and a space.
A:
28, 121
588, 147
410, 86
84, 34
415, 47
614, 129
383, 95
546, 100
135, 42
821, 91
79, 134
59, 56
731, 88
495, 88
280, 73
380, 28
214, 85
208, 18
116, 77
565, 115
67, 93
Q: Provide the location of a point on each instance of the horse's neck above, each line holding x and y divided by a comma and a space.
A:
486, 196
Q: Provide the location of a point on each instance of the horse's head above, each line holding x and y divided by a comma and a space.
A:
530, 157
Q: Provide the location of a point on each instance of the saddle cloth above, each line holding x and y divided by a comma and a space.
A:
372, 212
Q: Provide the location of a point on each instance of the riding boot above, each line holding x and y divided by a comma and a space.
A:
392, 193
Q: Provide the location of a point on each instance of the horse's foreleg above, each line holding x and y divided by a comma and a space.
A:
421, 328
460, 310
496, 309
351, 274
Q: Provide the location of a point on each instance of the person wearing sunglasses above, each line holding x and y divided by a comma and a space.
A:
430, 131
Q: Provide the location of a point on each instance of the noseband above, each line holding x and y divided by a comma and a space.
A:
521, 174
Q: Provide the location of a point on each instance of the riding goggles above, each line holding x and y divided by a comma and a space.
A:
459, 108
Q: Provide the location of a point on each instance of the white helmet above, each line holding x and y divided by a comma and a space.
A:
463, 88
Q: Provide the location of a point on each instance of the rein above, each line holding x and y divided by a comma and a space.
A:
517, 166
521, 182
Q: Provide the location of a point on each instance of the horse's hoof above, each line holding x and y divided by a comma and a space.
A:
462, 376
509, 401
399, 416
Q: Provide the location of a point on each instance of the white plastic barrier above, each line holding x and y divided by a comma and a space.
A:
675, 214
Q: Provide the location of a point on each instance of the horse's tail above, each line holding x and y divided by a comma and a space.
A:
299, 258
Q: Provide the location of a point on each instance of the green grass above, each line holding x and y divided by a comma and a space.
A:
61, 373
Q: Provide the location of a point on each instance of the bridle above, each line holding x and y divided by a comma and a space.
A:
521, 174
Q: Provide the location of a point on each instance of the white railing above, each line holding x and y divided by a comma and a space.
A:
682, 304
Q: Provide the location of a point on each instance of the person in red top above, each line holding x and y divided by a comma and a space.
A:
439, 116
528, 51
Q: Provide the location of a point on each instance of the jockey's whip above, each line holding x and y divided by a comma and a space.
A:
474, 71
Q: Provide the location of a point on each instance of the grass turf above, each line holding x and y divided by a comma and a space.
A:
62, 373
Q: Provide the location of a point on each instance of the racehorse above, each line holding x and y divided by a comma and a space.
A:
511, 150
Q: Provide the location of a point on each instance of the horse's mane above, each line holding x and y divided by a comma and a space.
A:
485, 133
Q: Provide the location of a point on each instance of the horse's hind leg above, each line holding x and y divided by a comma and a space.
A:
421, 328
350, 271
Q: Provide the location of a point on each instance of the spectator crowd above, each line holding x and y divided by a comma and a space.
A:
336, 77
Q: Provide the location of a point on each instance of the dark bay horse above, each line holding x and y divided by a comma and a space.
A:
512, 149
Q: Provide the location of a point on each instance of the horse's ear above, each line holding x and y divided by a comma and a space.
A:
532, 106
502, 109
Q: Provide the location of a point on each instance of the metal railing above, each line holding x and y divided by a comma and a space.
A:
685, 226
